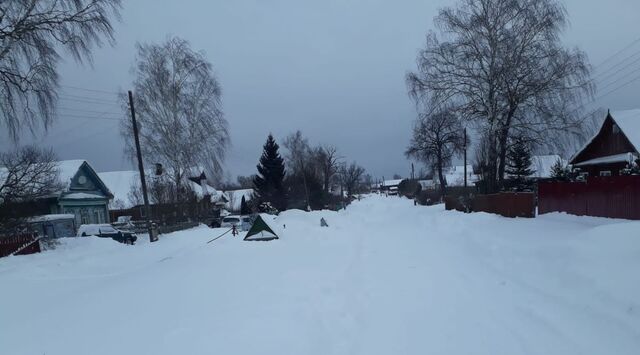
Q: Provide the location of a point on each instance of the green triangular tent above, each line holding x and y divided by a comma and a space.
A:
260, 230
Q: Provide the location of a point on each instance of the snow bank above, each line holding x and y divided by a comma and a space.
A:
385, 277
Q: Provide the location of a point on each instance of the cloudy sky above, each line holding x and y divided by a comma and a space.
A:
332, 68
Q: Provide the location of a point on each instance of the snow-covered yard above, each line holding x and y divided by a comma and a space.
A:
385, 277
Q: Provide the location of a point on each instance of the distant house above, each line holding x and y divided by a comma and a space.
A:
390, 187
234, 198
454, 176
614, 146
122, 183
543, 164
83, 193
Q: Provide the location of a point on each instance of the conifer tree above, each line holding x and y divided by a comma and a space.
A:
559, 171
244, 207
519, 160
268, 183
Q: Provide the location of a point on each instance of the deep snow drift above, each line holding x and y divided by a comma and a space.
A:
385, 277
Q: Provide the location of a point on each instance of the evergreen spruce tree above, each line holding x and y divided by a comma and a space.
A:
244, 207
519, 161
559, 171
268, 183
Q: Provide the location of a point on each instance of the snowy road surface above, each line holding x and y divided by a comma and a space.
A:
385, 277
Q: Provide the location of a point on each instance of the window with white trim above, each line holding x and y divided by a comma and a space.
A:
605, 172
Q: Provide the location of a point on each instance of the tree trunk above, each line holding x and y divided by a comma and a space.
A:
503, 141
443, 187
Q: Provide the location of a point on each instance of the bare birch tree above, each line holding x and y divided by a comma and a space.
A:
437, 137
26, 175
328, 161
502, 64
351, 177
178, 103
32, 33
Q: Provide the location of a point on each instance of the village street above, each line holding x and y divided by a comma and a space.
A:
385, 277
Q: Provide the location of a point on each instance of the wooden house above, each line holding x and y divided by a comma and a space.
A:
613, 148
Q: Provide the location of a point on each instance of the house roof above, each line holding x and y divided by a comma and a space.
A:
542, 164
393, 182
235, 198
120, 183
67, 169
629, 123
455, 175
616, 158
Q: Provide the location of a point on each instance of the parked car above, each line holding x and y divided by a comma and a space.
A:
107, 231
125, 224
243, 223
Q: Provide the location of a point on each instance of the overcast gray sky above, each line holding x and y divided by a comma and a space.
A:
332, 68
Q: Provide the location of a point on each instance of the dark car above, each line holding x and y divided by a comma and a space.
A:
107, 231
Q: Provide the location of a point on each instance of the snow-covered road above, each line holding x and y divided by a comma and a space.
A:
385, 277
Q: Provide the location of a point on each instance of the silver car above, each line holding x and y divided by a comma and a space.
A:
242, 223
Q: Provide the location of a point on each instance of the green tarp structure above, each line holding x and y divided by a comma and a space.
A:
260, 230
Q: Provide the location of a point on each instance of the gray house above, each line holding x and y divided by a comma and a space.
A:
83, 195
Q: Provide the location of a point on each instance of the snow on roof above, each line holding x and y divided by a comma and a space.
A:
81, 196
51, 217
235, 198
67, 169
120, 183
542, 164
616, 158
393, 182
455, 176
629, 123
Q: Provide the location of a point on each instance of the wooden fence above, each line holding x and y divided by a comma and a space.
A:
21, 244
507, 204
614, 197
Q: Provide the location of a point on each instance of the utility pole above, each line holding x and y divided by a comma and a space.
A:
143, 181
465, 159
412, 172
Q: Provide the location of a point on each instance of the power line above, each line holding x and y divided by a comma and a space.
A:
619, 87
91, 98
620, 70
89, 111
621, 78
89, 101
90, 90
618, 52
93, 117
599, 74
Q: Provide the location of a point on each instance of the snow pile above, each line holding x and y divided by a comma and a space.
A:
385, 277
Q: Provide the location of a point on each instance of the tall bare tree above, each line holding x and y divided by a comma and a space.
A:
437, 137
32, 33
501, 62
328, 162
351, 177
299, 155
178, 103
26, 175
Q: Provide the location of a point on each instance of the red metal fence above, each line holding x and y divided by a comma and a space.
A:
614, 197
21, 244
507, 204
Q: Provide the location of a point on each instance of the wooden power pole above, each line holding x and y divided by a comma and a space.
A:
143, 180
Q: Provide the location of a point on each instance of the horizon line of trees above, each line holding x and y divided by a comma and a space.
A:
305, 177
